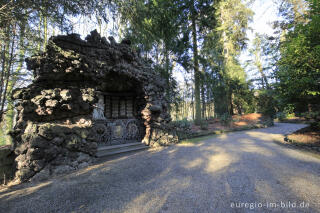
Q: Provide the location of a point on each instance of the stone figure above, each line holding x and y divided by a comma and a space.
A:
98, 111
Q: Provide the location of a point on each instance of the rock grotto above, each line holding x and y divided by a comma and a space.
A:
85, 94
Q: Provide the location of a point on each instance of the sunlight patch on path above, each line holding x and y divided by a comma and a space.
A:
250, 146
219, 161
265, 136
194, 163
24, 191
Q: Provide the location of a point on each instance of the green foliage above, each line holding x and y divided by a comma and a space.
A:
315, 125
298, 71
182, 127
220, 101
281, 116
2, 137
266, 103
169, 32
315, 115
225, 119
221, 49
183, 124
153, 27
204, 125
289, 111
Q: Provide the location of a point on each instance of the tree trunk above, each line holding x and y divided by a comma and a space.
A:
192, 105
3, 66
40, 21
208, 104
8, 70
167, 76
196, 66
263, 76
4, 73
45, 26
230, 94
9, 117
203, 99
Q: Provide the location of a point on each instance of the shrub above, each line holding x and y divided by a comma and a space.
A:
289, 111
236, 119
183, 124
204, 125
182, 127
315, 125
311, 115
225, 118
281, 116
266, 103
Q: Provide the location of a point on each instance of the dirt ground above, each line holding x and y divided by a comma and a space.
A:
309, 135
238, 121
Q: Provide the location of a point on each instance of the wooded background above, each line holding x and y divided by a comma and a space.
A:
203, 39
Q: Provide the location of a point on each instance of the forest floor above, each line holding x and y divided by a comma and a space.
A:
305, 137
309, 136
237, 122
242, 171
296, 120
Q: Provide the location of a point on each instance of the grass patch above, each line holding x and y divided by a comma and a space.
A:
197, 139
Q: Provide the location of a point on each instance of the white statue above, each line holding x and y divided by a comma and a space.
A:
98, 111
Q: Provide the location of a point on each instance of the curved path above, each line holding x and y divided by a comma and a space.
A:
236, 172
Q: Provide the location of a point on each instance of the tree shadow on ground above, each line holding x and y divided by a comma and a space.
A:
241, 167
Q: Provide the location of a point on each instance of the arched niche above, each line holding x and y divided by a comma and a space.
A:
117, 116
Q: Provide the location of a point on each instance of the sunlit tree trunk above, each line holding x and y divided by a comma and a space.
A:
3, 73
40, 29
203, 99
9, 118
197, 118
45, 30
167, 74
8, 60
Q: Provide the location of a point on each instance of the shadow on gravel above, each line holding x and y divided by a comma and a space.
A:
240, 167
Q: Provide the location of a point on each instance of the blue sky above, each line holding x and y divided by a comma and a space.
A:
265, 12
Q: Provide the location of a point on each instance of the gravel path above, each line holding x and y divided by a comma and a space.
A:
236, 172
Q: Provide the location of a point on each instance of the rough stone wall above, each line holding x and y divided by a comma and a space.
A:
7, 165
53, 133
